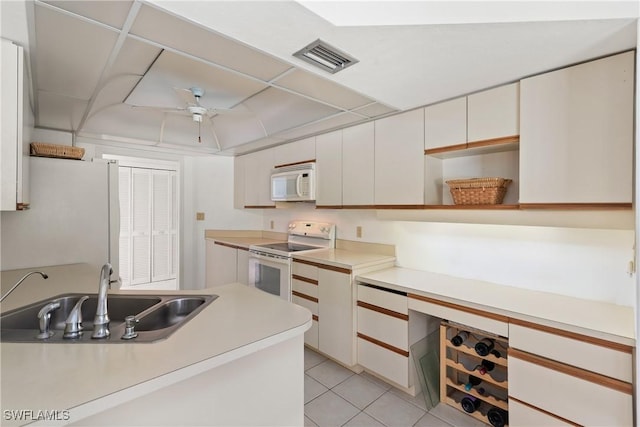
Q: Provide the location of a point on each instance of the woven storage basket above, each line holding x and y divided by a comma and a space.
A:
478, 191
55, 150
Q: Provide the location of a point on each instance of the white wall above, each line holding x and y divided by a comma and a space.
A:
209, 188
584, 263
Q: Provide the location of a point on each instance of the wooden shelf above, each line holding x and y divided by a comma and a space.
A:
452, 370
473, 207
488, 146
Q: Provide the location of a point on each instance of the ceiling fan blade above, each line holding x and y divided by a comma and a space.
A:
160, 109
186, 96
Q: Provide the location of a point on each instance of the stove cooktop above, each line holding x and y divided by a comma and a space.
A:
288, 247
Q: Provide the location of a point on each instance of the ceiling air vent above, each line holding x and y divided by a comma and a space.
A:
325, 56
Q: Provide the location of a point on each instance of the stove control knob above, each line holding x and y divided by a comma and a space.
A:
292, 226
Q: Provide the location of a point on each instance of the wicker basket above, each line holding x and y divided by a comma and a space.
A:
478, 191
42, 149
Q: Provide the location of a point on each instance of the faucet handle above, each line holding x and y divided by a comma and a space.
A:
129, 327
73, 324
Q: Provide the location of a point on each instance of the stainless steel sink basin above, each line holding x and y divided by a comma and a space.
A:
158, 317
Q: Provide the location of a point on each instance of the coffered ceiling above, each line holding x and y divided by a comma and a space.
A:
117, 70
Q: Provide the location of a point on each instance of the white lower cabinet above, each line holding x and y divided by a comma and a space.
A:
386, 332
568, 378
225, 264
305, 293
335, 336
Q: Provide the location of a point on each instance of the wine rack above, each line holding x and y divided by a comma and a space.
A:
462, 366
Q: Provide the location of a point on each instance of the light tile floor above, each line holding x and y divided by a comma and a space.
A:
335, 396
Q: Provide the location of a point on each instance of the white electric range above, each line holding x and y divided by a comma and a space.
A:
270, 263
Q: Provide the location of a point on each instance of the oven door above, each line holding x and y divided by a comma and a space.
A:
271, 274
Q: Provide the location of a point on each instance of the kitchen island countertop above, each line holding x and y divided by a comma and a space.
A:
86, 378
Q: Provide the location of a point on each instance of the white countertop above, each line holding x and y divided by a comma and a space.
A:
87, 378
345, 258
244, 242
599, 319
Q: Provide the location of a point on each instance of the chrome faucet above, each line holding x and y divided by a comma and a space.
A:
101, 320
44, 276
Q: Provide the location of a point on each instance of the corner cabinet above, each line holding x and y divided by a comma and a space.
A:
329, 292
329, 170
15, 129
225, 263
577, 134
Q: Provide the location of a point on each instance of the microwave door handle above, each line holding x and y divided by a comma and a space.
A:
298, 179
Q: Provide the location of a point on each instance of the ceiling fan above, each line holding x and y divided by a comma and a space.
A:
191, 98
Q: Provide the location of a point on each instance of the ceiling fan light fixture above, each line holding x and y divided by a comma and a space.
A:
325, 56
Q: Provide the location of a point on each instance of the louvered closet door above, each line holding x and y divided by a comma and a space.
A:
141, 226
125, 225
163, 226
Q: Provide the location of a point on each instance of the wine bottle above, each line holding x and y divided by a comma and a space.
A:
473, 381
498, 417
461, 337
470, 404
485, 366
484, 346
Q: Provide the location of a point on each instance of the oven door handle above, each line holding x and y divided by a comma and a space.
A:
274, 258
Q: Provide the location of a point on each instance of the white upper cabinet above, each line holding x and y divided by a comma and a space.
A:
238, 181
257, 179
300, 151
15, 128
493, 113
329, 169
358, 160
399, 159
445, 124
576, 133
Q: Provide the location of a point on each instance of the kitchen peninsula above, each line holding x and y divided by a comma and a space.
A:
245, 350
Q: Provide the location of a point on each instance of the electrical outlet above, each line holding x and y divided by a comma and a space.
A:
358, 231
271, 224
199, 216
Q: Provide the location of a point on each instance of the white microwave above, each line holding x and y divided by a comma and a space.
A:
295, 183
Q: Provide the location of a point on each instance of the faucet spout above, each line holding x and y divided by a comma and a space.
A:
101, 320
44, 276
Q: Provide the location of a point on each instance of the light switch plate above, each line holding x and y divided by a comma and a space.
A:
199, 216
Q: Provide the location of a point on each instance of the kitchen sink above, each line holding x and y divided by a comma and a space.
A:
158, 317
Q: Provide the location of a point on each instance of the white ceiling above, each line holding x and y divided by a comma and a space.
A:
99, 65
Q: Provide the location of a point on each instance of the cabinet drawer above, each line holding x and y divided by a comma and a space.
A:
305, 287
388, 299
527, 416
606, 358
386, 363
478, 319
311, 336
305, 270
568, 392
305, 302
385, 328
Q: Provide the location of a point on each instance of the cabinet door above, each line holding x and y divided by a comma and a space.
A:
335, 310
399, 159
258, 168
242, 273
493, 113
295, 152
445, 124
238, 181
329, 169
14, 138
221, 264
358, 165
576, 133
